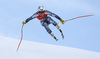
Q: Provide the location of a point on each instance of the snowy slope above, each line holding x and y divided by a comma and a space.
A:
33, 50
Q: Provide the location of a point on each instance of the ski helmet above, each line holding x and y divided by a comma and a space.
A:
41, 8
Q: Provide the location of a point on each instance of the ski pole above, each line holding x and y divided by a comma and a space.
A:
21, 37
79, 17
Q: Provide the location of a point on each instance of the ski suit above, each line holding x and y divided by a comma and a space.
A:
45, 19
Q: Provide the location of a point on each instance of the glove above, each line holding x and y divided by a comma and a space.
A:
24, 22
62, 21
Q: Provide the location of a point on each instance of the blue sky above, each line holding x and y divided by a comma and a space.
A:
83, 33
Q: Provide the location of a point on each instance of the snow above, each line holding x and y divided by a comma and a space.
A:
34, 50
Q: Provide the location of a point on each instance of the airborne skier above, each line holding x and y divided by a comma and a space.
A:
45, 20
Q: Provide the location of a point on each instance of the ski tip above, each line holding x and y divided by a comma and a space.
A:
93, 15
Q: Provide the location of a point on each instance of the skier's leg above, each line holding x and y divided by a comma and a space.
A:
50, 20
56, 25
59, 28
44, 24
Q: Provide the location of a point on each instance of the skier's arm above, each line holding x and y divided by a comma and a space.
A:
53, 15
56, 16
32, 17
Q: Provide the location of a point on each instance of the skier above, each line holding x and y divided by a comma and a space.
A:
45, 20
